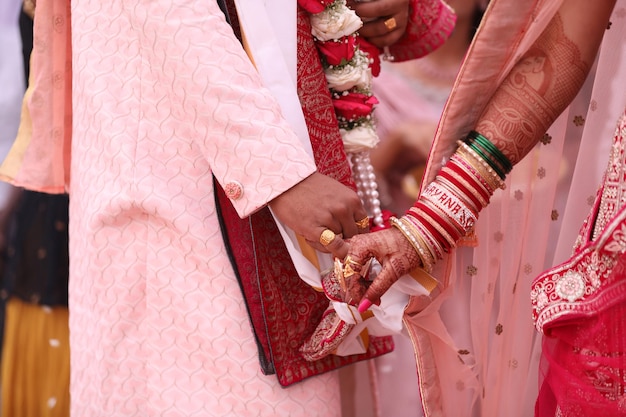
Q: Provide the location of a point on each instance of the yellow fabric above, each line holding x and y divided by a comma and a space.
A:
309, 253
246, 47
35, 361
425, 279
11, 167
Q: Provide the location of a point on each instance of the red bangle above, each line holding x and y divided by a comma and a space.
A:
479, 185
446, 242
455, 231
462, 189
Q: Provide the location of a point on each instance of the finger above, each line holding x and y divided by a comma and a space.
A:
344, 217
338, 247
385, 30
317, 246
349, 227
376, 29
330, 242
359, 249
378, 287
361, 221
386, 40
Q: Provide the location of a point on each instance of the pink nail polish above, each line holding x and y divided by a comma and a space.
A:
364, 305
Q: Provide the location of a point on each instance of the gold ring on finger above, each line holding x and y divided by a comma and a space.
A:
351, 267
348, 271
391, 24
327, 237
350, 261
363, 223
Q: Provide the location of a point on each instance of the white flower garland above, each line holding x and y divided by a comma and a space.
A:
352, 76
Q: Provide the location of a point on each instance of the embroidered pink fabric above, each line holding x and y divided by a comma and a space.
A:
580, 306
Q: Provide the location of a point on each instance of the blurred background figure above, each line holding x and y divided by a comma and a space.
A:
34, 244
412, 95
13, 83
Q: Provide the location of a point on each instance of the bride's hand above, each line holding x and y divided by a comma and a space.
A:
395, 254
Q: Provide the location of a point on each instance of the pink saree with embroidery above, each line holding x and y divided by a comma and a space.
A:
477, 350
580, 307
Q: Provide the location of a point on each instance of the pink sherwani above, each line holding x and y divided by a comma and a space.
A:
164, 98
158, 322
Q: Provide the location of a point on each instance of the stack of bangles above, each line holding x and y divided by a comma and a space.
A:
448, 207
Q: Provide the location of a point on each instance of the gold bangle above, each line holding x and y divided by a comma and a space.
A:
481, 167
469, 169
411, 238
426, 253
414, 223
433, 244
481, 163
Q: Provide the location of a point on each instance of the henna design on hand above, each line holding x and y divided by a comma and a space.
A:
395, 253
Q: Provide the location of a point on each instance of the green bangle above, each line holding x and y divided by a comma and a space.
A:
496, 167
475, 144
504, 161
492, 149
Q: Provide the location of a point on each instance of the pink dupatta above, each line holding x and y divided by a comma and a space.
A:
474, 340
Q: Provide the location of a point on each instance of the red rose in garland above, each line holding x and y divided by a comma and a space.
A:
338, 52
353, 106
374, 54
315, 6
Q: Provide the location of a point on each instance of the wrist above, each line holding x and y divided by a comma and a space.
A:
448, 207
414, 238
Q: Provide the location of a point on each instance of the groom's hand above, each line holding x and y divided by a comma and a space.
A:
323, 211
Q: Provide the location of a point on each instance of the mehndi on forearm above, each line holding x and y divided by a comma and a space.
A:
535, 92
